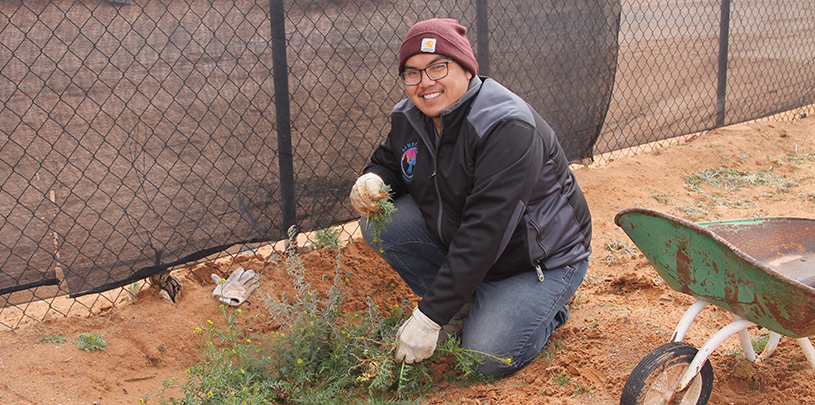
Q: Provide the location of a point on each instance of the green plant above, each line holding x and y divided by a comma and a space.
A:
561, 379
760, 342
583, 390
550, 349
577, 301
320, 355
620, 249
51, 338
661, 198
377, 222
90, 342
232, 370
133, 291
328, 237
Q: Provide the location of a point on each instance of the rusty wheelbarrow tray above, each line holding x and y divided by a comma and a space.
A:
761, 270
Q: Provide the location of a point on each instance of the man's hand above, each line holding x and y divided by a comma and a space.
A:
366, 192
417, 338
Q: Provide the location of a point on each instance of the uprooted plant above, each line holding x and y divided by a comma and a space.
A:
378, 221
323, 354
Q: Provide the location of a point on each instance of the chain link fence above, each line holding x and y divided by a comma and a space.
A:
136, 137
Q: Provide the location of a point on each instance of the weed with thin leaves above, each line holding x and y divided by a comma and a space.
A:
52, 338
561, 379
695, 214
730, 180
550, 350
619, 249
661, 198
623, 248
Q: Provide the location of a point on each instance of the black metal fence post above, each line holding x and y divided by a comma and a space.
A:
280, 72
483, 37
724, 38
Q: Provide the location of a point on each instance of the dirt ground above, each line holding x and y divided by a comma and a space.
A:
622, 311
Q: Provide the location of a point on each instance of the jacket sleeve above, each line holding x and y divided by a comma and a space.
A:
385, 163
508, 160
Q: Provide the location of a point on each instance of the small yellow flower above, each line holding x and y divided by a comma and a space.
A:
249, 341
209, 394
299, 361
239, 311
198, 330
209, 322
243, 371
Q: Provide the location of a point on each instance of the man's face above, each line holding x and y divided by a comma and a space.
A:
433, 96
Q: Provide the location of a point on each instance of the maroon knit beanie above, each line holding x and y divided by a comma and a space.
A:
444, 36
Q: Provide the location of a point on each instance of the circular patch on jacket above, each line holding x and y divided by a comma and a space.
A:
408, 162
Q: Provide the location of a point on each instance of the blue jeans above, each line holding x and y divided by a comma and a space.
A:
512, 318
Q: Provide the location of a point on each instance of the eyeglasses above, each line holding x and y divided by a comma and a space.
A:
437, 71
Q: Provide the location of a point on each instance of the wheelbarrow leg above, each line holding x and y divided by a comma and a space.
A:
809, 351
687, 319
746, 343
768, 351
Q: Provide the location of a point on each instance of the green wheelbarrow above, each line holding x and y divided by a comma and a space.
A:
761, 270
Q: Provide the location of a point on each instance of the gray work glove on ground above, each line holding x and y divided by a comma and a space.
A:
417, 338
237, 288
366, 192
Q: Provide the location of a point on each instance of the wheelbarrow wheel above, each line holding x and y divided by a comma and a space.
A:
656, 377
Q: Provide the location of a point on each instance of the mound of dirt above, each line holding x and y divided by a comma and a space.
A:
622, 311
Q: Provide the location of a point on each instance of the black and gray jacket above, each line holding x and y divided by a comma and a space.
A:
496, 191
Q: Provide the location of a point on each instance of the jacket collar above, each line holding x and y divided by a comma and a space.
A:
472, 90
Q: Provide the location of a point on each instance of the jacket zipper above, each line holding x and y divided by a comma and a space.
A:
539, 271
537, 263
436, 183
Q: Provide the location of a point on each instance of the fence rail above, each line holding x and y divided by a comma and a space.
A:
139, 136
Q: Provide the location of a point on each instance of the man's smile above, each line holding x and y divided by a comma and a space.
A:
430, 96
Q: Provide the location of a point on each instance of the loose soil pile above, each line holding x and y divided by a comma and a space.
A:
622, 311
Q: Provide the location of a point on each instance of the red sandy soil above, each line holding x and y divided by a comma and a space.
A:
622, 311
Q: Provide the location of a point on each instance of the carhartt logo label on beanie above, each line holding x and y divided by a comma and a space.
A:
442, 36
429, 45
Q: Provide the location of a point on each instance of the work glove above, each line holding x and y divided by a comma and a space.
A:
454, 327
237, 288
366, 192
417, 338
